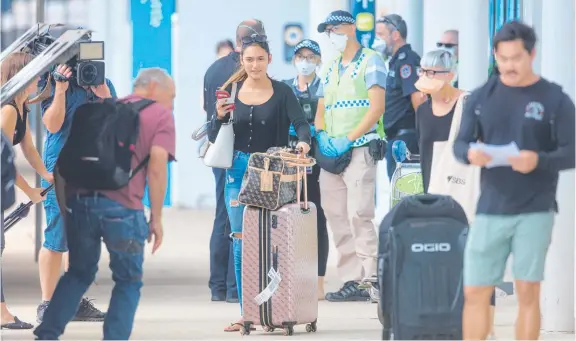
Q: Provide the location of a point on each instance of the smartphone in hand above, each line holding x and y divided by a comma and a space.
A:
223, 94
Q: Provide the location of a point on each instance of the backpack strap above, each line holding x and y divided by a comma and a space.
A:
140, 166
558, 95
141, 104
482, 96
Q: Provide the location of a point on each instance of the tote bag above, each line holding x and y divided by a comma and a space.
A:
220, 153
451, 177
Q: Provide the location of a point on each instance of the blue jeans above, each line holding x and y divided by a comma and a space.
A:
222, 277
234, 177
89, 220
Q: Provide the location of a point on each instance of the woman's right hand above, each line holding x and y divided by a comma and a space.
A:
35, 194
223, 109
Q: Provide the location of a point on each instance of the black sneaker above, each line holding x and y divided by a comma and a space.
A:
40, 311
349, 292
87, 312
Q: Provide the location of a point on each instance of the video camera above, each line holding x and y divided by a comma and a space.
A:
52, 45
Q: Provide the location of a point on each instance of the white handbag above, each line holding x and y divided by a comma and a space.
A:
451, 177
220, 153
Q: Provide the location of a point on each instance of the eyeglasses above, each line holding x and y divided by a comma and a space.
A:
334, 28
254, 38
430, 73
447, 45
310, 58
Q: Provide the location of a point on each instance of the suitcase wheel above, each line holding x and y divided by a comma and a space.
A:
288, 331
268, 329
311, 328
245, 329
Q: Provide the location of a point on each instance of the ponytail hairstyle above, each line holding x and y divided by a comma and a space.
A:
240, 75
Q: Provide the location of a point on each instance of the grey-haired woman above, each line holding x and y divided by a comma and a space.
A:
434, 117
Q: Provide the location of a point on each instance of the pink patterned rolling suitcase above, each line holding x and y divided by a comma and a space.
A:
280, 266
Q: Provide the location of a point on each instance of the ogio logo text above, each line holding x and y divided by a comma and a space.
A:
431, 247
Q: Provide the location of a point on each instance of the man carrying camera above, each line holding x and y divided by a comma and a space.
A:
57, 113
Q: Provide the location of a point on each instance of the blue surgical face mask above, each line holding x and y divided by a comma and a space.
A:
305, 68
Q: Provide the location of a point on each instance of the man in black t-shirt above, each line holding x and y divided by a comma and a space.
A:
222, 281
517, 205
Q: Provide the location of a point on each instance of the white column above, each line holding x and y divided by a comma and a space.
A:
474, 44
411, 11
319, 10
532, 15
558, 66
110, 22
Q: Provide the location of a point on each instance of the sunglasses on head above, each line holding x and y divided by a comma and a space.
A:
389, 22
447, 45
254, 38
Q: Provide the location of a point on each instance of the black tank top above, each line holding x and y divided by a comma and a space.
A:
20, 129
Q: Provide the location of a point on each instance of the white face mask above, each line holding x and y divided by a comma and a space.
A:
339, 41
305, 68
379, 45
449, 49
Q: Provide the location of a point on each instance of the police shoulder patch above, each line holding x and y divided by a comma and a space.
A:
405, 71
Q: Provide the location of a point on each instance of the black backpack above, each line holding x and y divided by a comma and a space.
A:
8, 174
98, 152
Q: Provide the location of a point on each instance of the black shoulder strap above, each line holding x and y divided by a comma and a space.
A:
140, 166
484, 93
141, 104
557, 94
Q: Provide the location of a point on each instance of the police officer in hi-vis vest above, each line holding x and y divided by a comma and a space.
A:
349, 130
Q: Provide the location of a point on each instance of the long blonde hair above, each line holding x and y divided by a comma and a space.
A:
13, 64
240, 75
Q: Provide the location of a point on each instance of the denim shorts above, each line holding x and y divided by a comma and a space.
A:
54, 234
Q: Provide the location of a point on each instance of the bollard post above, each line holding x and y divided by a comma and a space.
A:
40, 6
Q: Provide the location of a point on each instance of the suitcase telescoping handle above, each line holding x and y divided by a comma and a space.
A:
301, 165
299, 160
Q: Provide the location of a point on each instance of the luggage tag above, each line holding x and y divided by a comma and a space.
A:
308, 170
266, 178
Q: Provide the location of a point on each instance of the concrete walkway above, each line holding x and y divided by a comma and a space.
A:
175, 301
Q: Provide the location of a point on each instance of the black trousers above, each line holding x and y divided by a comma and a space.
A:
313, 181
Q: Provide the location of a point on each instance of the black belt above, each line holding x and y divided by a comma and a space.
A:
91, 194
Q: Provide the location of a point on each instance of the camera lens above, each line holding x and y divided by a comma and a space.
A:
88, 73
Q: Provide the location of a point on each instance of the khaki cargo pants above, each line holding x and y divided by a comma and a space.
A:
348, 203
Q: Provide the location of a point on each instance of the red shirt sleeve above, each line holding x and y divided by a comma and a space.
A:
165, 134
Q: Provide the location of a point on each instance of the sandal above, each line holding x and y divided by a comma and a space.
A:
17, 325
235, 327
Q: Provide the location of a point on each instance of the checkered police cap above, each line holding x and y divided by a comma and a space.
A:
336, 18
308, 44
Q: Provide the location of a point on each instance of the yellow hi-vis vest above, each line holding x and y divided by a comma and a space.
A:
346, 98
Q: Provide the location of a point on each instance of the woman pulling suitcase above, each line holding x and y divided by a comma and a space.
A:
263, 109
306, 59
